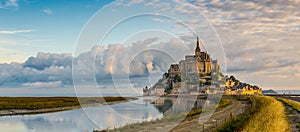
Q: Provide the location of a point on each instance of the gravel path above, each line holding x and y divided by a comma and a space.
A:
293, 117
191, 124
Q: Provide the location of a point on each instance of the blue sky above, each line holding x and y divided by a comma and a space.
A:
45, 26
29, 27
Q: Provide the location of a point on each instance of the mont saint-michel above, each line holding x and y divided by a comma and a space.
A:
199, 74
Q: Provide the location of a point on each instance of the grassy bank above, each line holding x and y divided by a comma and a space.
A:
267, 114
166, 119
291, 103
36, 103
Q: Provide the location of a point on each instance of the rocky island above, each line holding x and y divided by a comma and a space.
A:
199, 74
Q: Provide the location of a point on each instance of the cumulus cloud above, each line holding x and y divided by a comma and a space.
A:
17, 73
141, 58
44, 60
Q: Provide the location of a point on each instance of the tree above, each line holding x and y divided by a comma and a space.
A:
177, 78
166, 75
232, 78
168, 88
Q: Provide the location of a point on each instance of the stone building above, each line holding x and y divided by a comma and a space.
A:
235, 87
200, 62
146, 91
185, 77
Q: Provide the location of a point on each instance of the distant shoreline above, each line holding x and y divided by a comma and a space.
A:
10, 106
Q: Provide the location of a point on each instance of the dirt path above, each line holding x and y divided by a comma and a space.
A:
293, 117
192, 123
219, 117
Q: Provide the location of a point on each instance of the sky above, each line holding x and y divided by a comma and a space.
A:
31, 26
256, 41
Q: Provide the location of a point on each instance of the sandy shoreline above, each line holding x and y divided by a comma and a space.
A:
12, 112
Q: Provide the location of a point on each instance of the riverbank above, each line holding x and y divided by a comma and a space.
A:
38, 105
179, 121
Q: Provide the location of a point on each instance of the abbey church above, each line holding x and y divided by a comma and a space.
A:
186, 77
198, 63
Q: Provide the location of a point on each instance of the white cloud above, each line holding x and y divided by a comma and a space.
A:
7, 4
48, 11
15, 31
12, 3
43, 84
140, 59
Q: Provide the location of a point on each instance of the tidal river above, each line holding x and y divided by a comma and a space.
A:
87, 119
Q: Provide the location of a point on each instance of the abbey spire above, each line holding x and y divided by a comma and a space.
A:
197, 50
198, 44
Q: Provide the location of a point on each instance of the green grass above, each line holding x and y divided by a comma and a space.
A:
194, 112
291, 103
266, 115
224, 103
234, 124
35, 103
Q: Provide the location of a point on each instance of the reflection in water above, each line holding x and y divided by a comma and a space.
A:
103, 117
169, 105
12, 126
